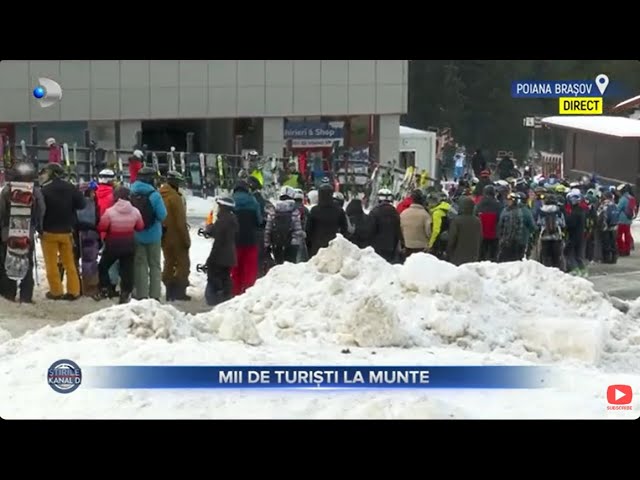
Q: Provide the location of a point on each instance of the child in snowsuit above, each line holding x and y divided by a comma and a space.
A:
223, 253
119, 224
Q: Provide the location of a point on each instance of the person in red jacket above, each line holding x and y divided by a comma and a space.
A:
119, 223
488, 211
55, 154
135, 164
406, 203
104, 192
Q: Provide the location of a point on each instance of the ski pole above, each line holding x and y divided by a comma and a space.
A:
35, 263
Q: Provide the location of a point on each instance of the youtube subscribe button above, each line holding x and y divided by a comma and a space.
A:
619, 397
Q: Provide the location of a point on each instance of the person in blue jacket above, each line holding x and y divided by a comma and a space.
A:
147, 264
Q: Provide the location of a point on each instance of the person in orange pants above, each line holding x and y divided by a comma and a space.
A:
62, 201
249, 215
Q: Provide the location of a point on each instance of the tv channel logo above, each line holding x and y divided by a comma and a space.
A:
619, 397
64, 376
48, 92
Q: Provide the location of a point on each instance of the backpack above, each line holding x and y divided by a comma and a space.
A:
87, 217
630, 210
515, 227
550, 224
142, 202
611, 216
281, 229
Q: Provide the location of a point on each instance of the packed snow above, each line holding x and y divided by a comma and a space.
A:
348, 307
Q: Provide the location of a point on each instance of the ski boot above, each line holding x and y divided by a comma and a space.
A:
101, 295
180, 293
125, 297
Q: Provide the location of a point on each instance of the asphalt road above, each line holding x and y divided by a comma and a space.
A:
621, 280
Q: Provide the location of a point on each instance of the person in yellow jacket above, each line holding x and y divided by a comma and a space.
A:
175, 240
440, 212
424, 179
257, 174
293, 178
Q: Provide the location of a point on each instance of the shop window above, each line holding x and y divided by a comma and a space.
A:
407, 159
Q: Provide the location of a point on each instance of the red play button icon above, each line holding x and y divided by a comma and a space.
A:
619, 394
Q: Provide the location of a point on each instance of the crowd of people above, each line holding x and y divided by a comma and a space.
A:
108, 240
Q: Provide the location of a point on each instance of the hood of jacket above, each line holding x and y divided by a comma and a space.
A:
325, 197
142, 188
123, 207
104, 192
466, 206
285, 206
442, 206
244, 200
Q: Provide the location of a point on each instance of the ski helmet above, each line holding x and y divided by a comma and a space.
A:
287, 193
147, 175
385, 195
489, 191
313, 197
338, 198
175, 179
106, 176
138, 154
298, 194
50, 141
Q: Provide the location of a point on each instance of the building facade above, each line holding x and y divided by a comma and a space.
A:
228, 104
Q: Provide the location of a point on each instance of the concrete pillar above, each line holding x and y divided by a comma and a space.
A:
388, 138
272, 136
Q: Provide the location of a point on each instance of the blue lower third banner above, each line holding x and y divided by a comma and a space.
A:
313, 377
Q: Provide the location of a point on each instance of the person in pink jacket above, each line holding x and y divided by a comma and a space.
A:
119, 223
55, 154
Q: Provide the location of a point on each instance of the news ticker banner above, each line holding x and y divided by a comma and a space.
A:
575, 97
307, 377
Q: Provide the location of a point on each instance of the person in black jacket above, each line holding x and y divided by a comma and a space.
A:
478, 163
223, 253
386, 232
62, 200
325, 221
575, 221
360, 222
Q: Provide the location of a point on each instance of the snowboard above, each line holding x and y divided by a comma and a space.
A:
89, 241
19, 241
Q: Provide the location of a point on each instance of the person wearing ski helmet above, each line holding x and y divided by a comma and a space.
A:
135, 164
21, 172
62, 201
104, 192
222, 257
283, 235
386, 231
147, 269
325, 220
176, 241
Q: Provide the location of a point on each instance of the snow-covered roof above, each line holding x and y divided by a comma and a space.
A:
628, 104
622, 127
413, 132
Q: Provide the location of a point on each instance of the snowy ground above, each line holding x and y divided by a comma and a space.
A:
346, 307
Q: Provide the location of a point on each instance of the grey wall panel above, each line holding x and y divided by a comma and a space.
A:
164, 102
335, 99
75, 74
76, 105
306, 72
251, 101
193, 102
279, 101
134, 73
251, 73
223, 102
279, 73
389, 71
164, 73
14, 74
39, 114
44, 68
193, 73
135, 103
362, 72
15, 104
389, 99
105, 104
362, 99
105, 74
306, 99
334, 72
223, 73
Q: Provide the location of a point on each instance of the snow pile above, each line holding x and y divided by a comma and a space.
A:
4, 335
349, 296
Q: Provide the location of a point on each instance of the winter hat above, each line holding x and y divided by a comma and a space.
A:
121, 193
